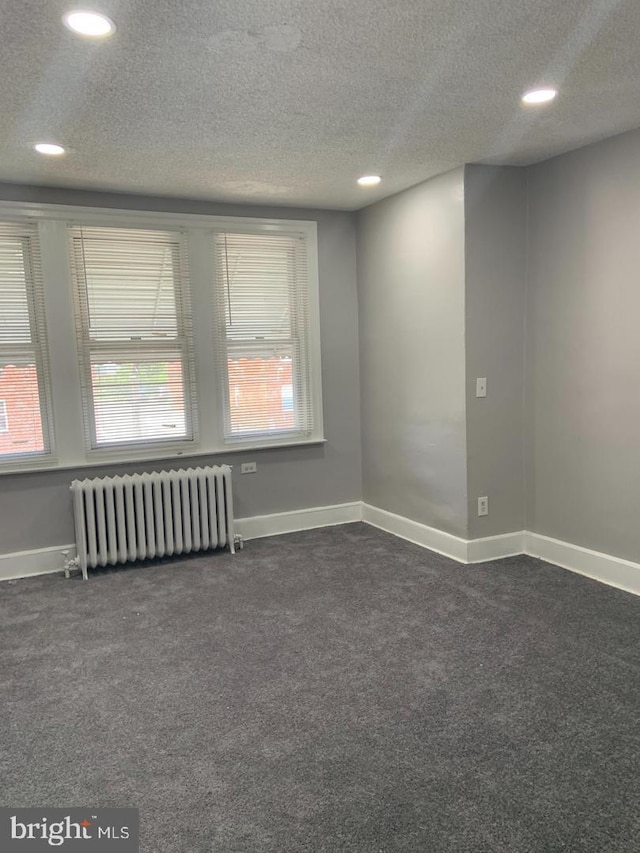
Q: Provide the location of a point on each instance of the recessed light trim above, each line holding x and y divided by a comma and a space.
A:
539, 96
50, 149
90, 24
369, 180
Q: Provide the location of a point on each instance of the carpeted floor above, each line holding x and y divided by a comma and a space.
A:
333, 690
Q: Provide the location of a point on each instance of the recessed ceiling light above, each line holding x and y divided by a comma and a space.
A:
539, 96
90, 24
369, 180
49, 148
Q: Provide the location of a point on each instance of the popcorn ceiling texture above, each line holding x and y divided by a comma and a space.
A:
288, 101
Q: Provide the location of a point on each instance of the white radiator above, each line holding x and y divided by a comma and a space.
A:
139, 516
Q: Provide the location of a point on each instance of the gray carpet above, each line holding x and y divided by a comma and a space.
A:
333, 690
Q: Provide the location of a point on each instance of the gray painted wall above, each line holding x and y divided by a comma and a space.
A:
583, 352
495, 251
35, 508
427, 442
412, 367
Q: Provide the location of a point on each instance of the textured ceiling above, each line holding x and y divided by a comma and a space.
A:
289, 101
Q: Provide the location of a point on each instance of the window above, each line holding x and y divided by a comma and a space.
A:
24, 385
166, 335
263, 336
134, 341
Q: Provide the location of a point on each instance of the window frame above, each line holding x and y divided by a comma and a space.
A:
36, 349
4, 417
302, 357
66, 402
181, 346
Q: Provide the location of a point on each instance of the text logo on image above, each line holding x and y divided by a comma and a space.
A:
103, 830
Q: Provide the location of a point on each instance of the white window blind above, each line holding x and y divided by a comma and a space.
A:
134, 332
24, 369
263, 336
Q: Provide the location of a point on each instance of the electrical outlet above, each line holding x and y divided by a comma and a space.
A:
248, 468
483, 506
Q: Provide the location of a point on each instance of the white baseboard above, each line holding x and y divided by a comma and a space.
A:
461, 550
41, 561
414, 531
24, 564
605, 568
495, 547
258, 526
613, 571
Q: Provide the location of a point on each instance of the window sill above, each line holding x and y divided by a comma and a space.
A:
113, 459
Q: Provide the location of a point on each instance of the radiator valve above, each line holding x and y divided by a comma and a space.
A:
70, 564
